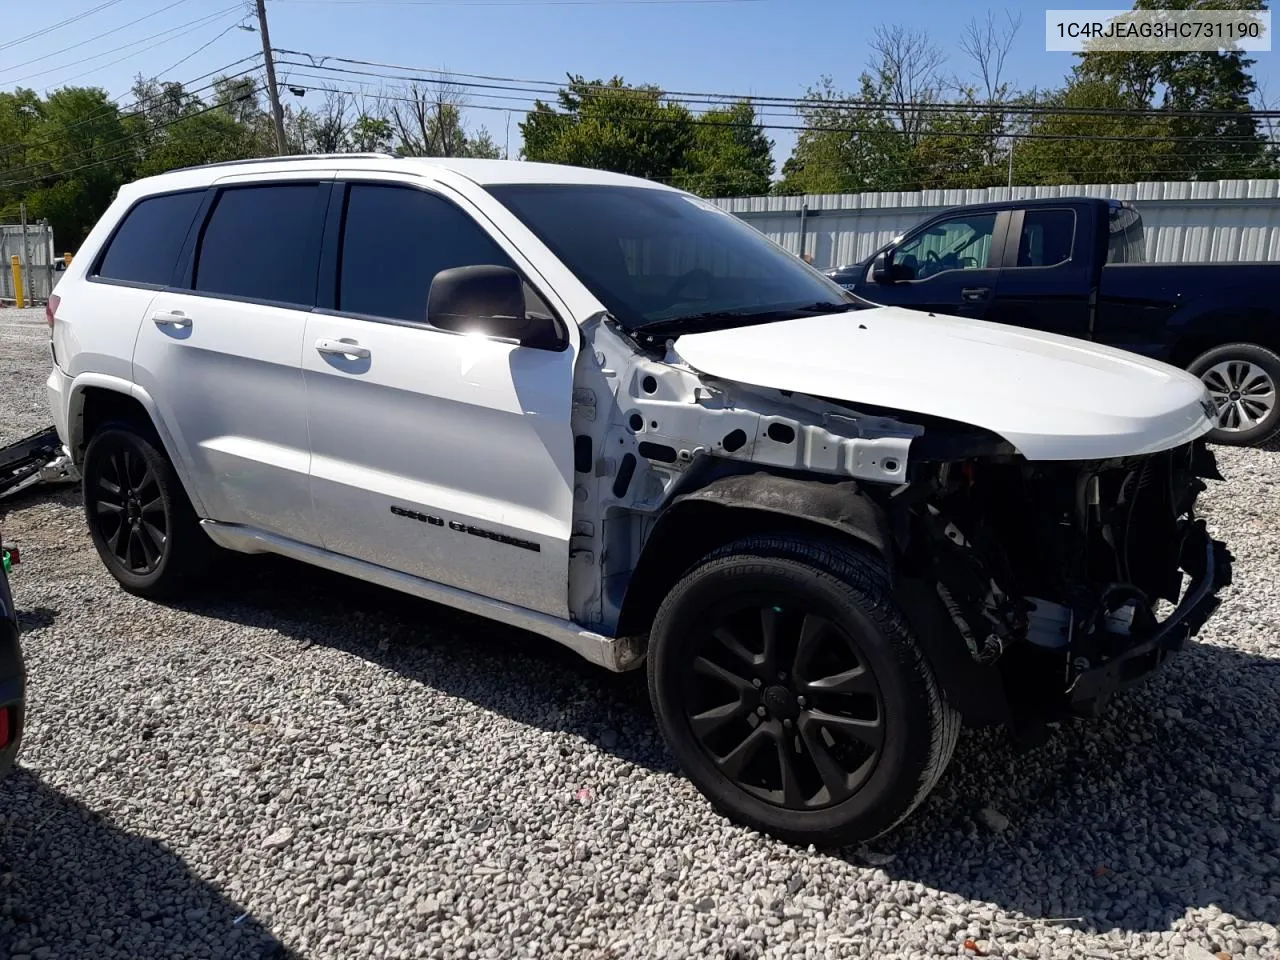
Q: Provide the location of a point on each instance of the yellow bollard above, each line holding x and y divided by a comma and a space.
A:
16, 265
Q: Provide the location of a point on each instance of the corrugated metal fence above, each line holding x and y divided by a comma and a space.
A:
1222, 220
37, 260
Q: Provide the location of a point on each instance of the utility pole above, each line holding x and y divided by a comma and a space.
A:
277, 114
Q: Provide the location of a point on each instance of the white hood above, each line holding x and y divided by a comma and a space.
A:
1052, 397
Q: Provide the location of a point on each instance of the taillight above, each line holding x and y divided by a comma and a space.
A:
51, 309
5, 727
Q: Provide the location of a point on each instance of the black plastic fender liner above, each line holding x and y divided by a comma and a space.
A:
975, 690
842, 506
731, 505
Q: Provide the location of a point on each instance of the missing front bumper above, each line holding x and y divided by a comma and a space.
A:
1208, 562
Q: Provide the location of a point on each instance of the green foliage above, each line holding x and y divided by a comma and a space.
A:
868, 141
636, 130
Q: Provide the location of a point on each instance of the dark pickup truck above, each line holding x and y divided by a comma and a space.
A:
1075, 266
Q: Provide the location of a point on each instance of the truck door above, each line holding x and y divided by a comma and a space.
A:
949, 266
1046, 276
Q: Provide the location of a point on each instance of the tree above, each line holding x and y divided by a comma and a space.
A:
74, 159
426, 121
610, 125
1195, 89
730, 155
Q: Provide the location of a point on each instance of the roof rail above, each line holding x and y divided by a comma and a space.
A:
294, 156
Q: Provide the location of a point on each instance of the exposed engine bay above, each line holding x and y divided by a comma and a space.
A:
1055, 573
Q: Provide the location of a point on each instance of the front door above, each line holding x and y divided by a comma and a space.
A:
445, 456
220, 352
949, 267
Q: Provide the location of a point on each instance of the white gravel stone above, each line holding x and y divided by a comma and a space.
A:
458, 789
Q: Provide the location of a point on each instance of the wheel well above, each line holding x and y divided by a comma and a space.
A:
99, 405
1186, 350
689, 532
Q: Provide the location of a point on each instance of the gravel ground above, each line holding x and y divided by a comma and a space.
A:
297, 764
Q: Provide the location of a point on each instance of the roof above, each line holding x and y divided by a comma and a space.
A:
483, 172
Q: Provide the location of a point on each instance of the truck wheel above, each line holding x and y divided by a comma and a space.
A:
791, 691
140, 519
1242, 378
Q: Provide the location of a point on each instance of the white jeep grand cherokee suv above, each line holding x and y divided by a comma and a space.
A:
612, 414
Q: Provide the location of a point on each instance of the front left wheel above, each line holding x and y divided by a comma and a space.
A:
789, 687
140, 519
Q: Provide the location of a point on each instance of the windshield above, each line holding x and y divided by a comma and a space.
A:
660, 259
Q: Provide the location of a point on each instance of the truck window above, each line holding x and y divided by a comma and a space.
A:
1126, 242
1046, 238
961, 243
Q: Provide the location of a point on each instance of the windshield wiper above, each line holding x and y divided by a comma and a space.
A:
714, 319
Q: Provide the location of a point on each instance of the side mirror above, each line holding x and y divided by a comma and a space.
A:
881, 271
489, 300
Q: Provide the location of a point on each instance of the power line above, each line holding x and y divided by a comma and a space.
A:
106, 33
858, 131
198, 50
121, 156
192, 24
116, 107
129, 56
54, 26
159, 125
1002, 107
518, 3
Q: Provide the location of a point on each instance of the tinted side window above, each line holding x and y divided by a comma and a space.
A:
145, 248
263, 243
1046, 238
395, 240
963, 243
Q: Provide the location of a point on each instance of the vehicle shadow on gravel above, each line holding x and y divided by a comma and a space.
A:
1169, 801
133, 897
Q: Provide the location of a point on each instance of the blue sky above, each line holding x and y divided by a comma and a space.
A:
761, 47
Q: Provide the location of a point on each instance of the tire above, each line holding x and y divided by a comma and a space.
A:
1244, 379
828, 606
165, 549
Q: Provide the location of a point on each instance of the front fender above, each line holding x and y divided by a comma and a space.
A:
843, 507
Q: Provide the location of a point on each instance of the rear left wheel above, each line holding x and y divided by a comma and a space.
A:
140, 520
790, 689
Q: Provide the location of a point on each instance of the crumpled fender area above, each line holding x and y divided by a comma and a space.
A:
841, 506
740, 504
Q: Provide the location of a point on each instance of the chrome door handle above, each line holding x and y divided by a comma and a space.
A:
176, 319
342, 348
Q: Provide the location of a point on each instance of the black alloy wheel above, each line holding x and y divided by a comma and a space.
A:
140, 519
126, 500
792, 692
784, 702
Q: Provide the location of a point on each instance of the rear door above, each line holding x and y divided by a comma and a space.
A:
951, 266
220, 351
445, 456
1046, 278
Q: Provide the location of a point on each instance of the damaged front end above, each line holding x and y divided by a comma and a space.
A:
1066, 581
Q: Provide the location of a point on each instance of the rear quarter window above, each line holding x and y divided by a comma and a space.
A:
145, 247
